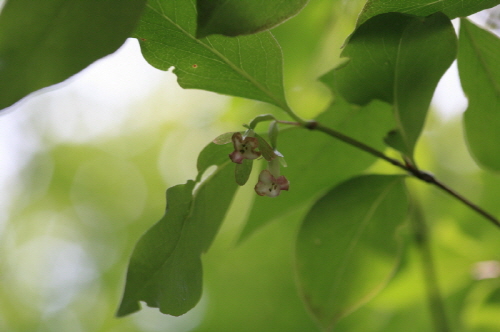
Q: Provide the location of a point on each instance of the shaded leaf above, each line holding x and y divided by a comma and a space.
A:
479, 68
240, 17
165, 269
264, 148
451, 8
399, 59
347, 248
317, 161
45, 42
249, 66
242, 171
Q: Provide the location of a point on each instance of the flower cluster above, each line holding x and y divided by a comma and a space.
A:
270, 182
244, 148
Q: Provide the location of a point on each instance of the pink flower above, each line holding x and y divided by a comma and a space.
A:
244, 148
270, 186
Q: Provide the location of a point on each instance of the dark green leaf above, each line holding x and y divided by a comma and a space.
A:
316, 161
241, 17
242, 171
249, 66
45, 42
347, 248
399, 59
451, 8
264, 148
479, 67
165, 268
212, 154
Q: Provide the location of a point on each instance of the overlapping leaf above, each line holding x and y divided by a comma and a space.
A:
165, 269
316, 161
451, 8
45, 42
249, 66
347, 247
398, 58
479, 67
240, 17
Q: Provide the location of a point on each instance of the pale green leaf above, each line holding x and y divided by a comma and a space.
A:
399, 59
249, 66
451, 8
239, 17
45, 42
347, 247
479, 67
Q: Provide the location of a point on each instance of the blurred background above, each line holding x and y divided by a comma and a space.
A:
84, 167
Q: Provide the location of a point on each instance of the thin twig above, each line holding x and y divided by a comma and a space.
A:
413, 170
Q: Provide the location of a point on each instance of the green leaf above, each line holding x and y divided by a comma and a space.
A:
399, 59
260, 118
224, 138
45, 42
241, 17
165, 268
316, 161
264, 148
451, 8
242, 171
249, 66
479, 67
347, 247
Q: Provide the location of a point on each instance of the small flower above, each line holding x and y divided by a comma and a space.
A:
270, 186
244, 148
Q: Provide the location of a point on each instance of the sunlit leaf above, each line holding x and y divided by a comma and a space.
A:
347, 247
479, 67
45, 42
249, 66
399, 59
451, 8
165, 269
239, 17
316, 161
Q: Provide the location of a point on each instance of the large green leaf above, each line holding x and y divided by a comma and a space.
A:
451, 8
45, 42
316, 161
249, 66
398, 58
479, 67
347, 247
240, 17
165, 269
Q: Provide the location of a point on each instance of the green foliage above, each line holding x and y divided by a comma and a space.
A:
165, 268
329, 249
479, 65
249, 66
399, 59
317, 162
45, 42
451, 8
347, 246
239, 17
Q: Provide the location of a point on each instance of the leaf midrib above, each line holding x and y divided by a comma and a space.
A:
238, 70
